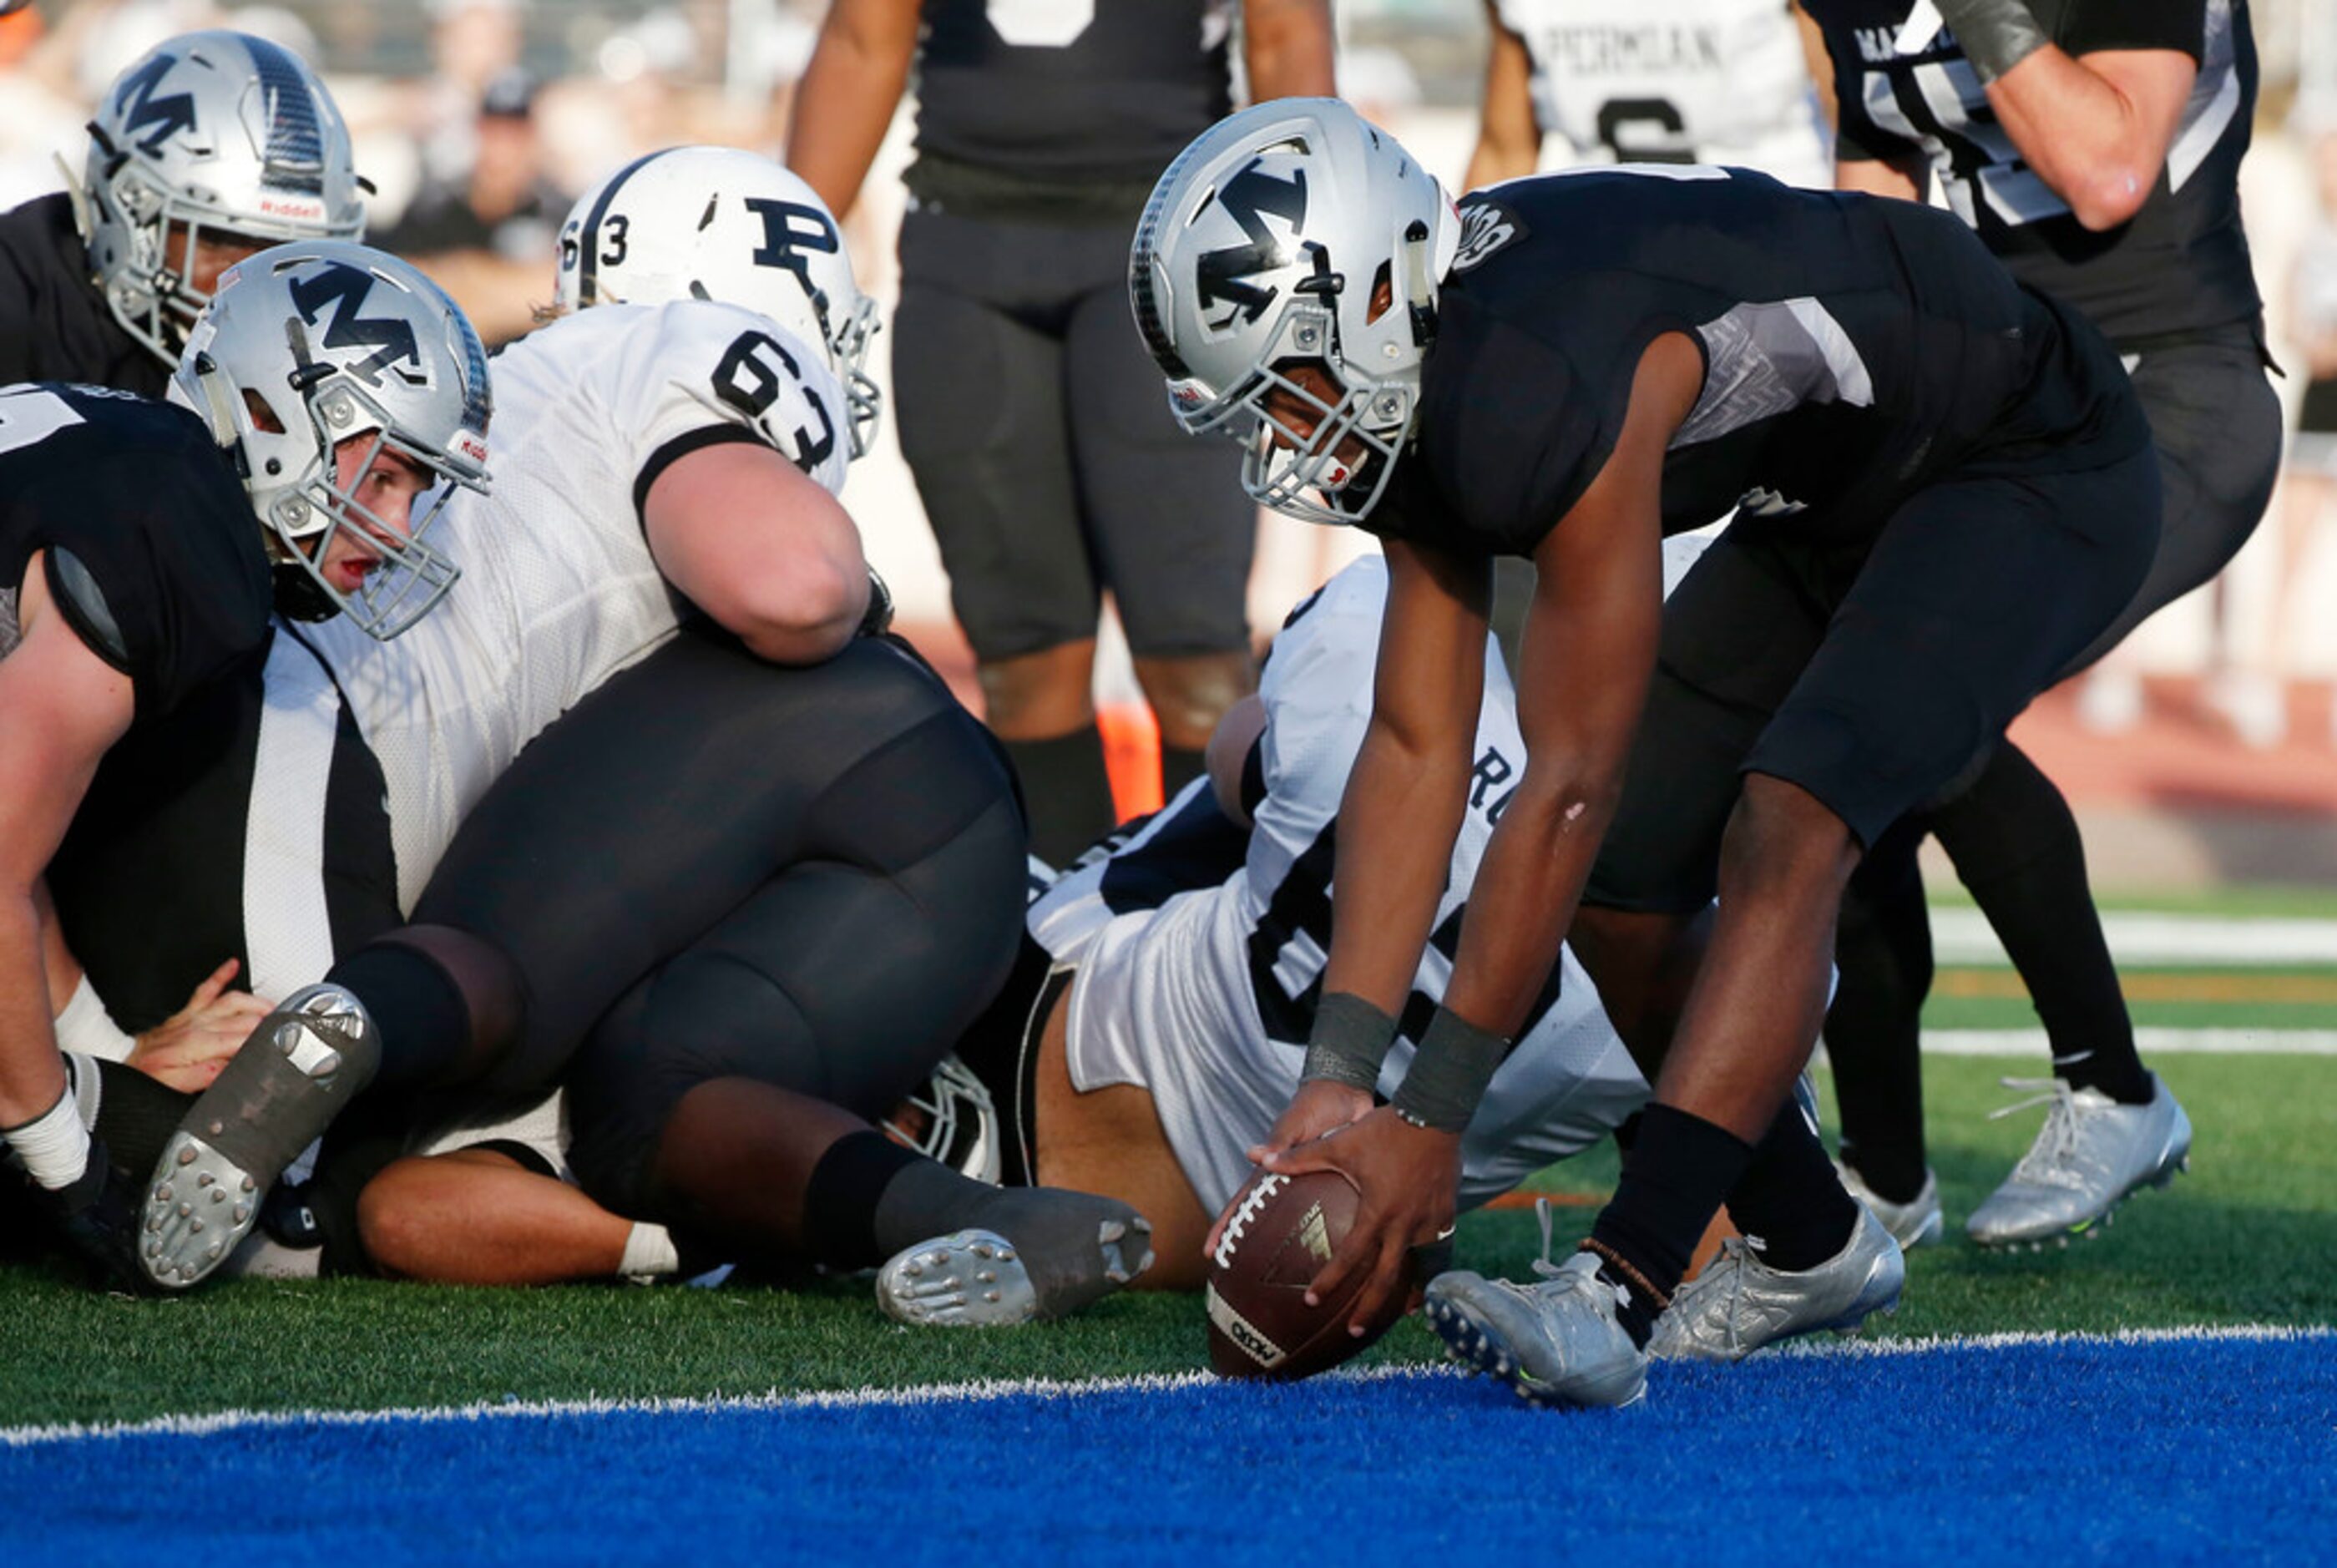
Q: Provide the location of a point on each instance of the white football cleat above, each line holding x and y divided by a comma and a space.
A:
1917, 1223
2089, 1155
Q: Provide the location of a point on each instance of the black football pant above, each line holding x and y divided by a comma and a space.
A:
715, 867
2216, 424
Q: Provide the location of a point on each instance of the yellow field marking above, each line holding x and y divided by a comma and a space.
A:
2304, 990
1523, 1199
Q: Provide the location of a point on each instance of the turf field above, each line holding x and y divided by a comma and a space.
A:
2150, 1399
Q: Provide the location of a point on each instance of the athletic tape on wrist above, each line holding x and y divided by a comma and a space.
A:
1349, 1040
1995, 34
85, 1026
1449, 1073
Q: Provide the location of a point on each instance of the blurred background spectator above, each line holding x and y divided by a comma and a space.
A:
486, 229
620, 77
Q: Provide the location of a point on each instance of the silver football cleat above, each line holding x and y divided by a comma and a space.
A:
2089, 1155
1739, 1303
1557, 1341
980, 1280
303, 1062
970, 1279
1917, 1223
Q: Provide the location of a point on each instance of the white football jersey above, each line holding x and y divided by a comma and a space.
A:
1200, 949
1677, 81
558, 590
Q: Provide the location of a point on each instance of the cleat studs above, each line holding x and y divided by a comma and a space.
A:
216, 1127
204, 1178
241, 1212
250, 1185
210, 1256
185, 1210
196, 1226
219, 1194
1109, 1231
162, 1193
989, 1296
187, 1155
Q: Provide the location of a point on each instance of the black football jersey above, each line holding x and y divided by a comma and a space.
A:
54, 322
1855, 348
153, 550
2180, 265
1064, 92
211, 832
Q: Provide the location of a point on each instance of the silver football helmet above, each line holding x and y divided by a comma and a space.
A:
950, 1118
1296, 232
217, 134
307, 347
720, 223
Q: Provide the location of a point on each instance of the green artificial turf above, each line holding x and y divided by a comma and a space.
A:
2246, 1238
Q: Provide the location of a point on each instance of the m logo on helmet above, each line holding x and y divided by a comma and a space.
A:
1222, 276
345, 289
160, 118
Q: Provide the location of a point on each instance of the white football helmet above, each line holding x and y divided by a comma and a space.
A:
1263, 246
306, 347
724, 224
950, 1118
221, 134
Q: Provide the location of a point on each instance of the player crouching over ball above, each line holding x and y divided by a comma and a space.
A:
1942, 490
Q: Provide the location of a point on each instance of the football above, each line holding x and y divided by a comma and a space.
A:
1282, 1230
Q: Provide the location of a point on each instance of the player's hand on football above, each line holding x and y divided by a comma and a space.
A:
1409, 1178
1318, 1107
186, 1050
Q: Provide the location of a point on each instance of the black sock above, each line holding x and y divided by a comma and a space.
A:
1068, 790
2016, 846
1789, 1197
424, 1022
1882, 951
1680, 1167
868, 1197
136, 1114
841, 1199
1179, 766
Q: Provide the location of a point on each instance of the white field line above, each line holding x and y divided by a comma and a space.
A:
2151, 1042
1007, 1389
1961, 935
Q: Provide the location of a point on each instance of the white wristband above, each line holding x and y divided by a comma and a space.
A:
85, 1026
649, 1252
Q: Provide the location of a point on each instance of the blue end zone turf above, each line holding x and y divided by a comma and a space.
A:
2080, 1451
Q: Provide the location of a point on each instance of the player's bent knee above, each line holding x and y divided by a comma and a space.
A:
393, 1218
1783, 839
